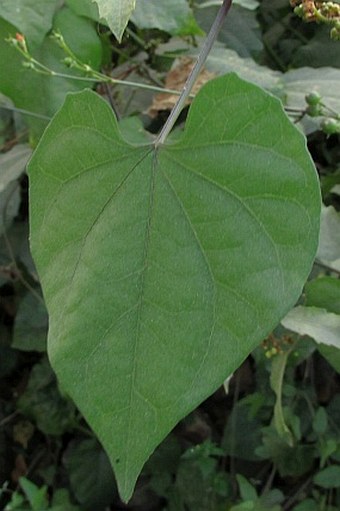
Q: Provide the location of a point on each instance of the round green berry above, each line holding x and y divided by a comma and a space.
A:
330, 126
314, 110
313, 98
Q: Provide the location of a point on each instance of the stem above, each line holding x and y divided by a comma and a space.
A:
94, 76
25, 112
175, 112
276, 382
326, 267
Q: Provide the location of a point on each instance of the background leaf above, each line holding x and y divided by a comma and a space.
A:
329, 243
318, 52
13, 164
42, 402
33, 18
298, 82
324, 293
322, 326
172, 16
222, 61
240, 32
44, 94
198, 258
90, 474
31, 323
9, 205
86, 8
36, 496
117, 14
329, 477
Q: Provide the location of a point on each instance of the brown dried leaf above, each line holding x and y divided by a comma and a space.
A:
23, 432
20, 468
175, 80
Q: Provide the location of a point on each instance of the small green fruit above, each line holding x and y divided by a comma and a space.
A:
314, 110
313, 98
330, 126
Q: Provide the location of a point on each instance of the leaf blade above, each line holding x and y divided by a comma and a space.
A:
117, 14
175, 317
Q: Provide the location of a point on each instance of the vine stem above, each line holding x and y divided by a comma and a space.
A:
202, 57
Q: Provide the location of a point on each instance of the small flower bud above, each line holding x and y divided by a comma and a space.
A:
298, 10
68, 61
335, 33
21, 42
29, 65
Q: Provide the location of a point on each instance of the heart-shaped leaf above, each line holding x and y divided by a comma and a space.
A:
163, 267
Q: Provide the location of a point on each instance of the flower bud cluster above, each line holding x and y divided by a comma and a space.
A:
320, 12
276, 346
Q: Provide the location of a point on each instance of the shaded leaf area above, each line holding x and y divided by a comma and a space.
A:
42, 402
31, 325
175, 233
91, 476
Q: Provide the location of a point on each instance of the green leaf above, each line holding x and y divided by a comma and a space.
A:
17, 503
298, 82
13, 164
331, 354
90, 474
173, 263
240, 32
279, 363
329, 243
247, 490
248, 4
322, 326
116, 13
318, 52
61, 501
290, 461
242, 433
84, 8
31, 323
36, 496
31, 17
199, 485
307, 505
320, 421
163, 464
45, 94
8, 359
324, 292
172, 16
42, 401
329, 477
222, 60
249, 505
9, 205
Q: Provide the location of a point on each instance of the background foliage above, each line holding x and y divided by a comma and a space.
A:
270, 439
